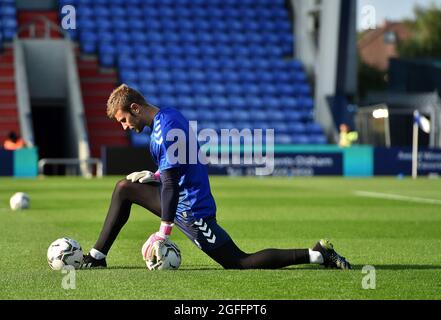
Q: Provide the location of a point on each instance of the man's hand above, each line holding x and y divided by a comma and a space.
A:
163, 233
144, 177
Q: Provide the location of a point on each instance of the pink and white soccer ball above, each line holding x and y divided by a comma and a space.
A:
166, 256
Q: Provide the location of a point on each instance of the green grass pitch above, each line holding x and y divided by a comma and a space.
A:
401, 238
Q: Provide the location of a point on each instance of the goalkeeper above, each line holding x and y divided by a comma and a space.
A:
179, 194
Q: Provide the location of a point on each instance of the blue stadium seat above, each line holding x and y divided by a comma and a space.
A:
199, 89
140, 140
297, 127
124, 49
317, 139
135, 3
280, 127
84, 11
264, 125
101, 11
282, 138
8, 10
205, 116
128, 76
228, 125
207, 125
61, 3
223, 115
253, 102
183, 88
167, 101
241, 115
105, 36
271, 102
314, 127
118, 12
219, 102
166, 88
299, 139
259, 116
292, 115
118, 24
288, 102
148, 88
103, 25
138, 37
107, 54
267, 89
306, 102
237, 102
140, 49
121, 37
190, 114
277, 115
217, 89
88, 42
203, 102
143, 63
185, 101
180, 76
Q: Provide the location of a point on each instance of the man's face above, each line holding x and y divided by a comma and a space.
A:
130, 120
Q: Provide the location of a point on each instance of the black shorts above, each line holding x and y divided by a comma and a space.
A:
205, 233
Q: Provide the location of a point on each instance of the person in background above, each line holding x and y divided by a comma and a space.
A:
347, 137
13, 142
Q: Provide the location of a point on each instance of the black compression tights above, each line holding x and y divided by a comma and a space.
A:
228, 256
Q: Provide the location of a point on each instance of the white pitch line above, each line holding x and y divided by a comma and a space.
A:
396, 197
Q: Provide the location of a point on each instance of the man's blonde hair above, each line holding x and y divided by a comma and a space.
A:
121, 98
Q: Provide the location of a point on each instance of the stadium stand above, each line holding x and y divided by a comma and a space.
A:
8, 20
231, 59
95, 87
8, 102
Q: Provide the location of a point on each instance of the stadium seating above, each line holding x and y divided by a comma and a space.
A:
8, 20
8, 101
231, 59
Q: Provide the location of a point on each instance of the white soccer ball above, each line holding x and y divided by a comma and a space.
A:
20, 201
166, 256
64, 252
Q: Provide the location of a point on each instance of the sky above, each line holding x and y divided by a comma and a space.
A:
387, 9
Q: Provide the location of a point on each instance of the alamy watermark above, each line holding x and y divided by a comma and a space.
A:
69, 281
369, 281
368, 17
69, 20
246, 147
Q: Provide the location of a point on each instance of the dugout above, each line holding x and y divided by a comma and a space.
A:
399, 121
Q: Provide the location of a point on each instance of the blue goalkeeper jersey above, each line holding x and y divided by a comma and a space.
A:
195, 196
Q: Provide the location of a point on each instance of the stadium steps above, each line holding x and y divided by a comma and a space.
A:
9, 120
26, 16
96, 86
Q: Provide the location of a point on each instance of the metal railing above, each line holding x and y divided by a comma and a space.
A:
72, 165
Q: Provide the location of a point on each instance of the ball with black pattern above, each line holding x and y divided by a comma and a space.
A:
64, 252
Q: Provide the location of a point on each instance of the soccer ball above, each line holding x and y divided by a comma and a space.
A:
19, 201
64, 252
166, 256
